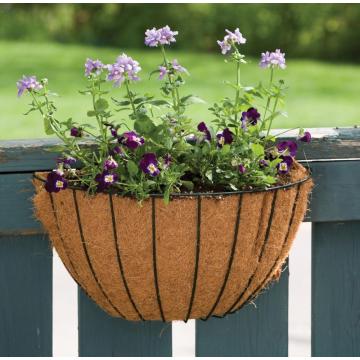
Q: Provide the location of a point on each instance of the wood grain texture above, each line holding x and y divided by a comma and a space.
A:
253, 331
336, 289
102, 335
25, 296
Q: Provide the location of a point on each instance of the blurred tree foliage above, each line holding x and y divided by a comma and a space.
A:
324, 31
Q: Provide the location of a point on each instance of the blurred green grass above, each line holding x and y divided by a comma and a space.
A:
320, 94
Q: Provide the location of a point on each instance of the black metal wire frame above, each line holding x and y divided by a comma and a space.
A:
118, 256
157, 289
88, 257
266, 279
66, 250
231, 258
197, 257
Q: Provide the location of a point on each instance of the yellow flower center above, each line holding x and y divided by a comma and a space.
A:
283, 166
152, 168
222, 140
109, 178
59, 184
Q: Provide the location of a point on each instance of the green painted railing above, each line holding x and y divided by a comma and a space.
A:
26, 271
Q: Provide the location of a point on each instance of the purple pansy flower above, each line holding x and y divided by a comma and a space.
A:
117, 150
113, 132
229, 39
191, 139
131, 139
306, 137
67, 160
163, 36
176, 66
110, 164
251, 116
167, 160
149, 164
105, 179
93, 67
289, 146
124, 67
203, 128
28, 83
263, 163
55, 182
162, 72
285, 166
224, 137
242, 169
273, 59
76, 132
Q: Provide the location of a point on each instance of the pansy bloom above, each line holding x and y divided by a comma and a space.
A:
66, 160
149, 164
117, 150
76, 132
229, 39
251, 116
285, 165
55, 182
273, 59
167, 161
105, 179
242, 169
224, 137
93, 67
191, 139
306, 137
287, 146
110, 164
131, 139
203, 128
28, 83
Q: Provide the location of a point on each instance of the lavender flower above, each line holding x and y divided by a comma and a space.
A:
93, 67
224, 137
306, 137
177, 67
76, 132
131, 139
110, 164
162, 36
230, 39
55, 182
287, 147
125, 67
149, 164
28, 83
105, 179
203, 128
285, 166
242, 169
251, 116
273, 59
162, 72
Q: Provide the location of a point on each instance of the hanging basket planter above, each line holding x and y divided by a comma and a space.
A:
202, 255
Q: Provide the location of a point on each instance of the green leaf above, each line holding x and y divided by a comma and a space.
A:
47, 127
225, 149
167, 196
209, 175
257, 149
132, 167
159, 102
101, 105
189, 185
143, 125
91, 113
191, 99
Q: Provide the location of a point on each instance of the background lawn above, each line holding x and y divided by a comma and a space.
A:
320, 95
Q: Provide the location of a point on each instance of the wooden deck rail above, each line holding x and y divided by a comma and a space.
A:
26, 270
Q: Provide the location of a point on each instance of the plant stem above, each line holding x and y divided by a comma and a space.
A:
272, 115
130, 96
269, 97
174, 92
237, 89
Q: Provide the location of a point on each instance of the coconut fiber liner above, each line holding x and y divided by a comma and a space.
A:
198, 256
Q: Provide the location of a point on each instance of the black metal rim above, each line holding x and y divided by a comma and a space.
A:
199, 194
